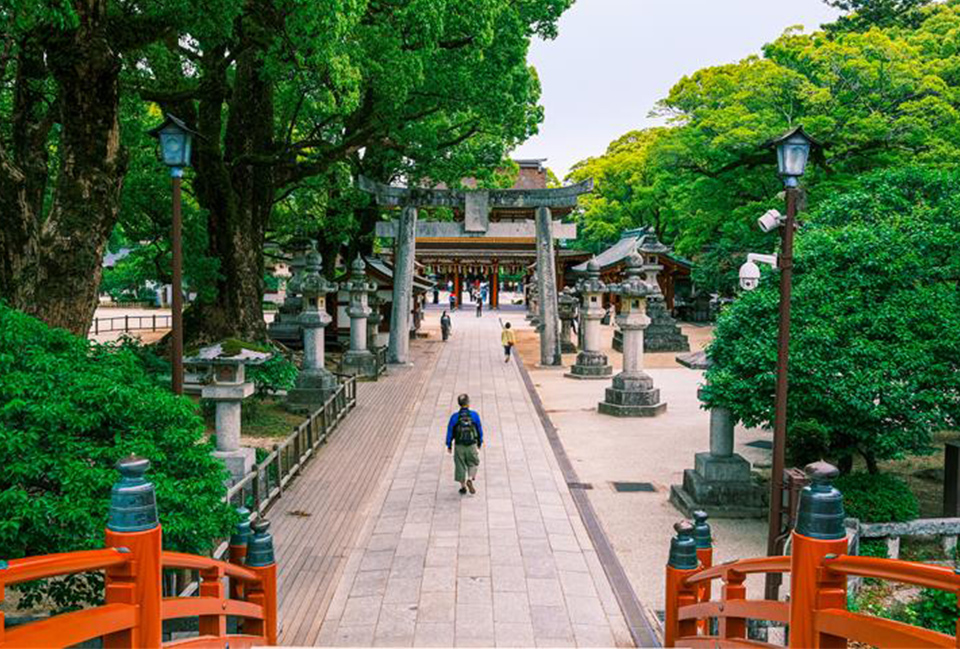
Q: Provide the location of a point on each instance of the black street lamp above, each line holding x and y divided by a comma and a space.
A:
793, 151
176, 141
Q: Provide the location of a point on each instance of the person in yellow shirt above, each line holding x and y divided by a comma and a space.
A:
508, 338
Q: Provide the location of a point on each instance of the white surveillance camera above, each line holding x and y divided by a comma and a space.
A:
770, 221
750, 272
749, 276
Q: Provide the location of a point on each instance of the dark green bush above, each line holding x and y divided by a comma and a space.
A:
936, 610
68, 411
807, 441
277, 373
877, 498
873, 548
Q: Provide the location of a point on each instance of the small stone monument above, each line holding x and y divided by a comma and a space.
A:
227, 386
533, 301
285, 327
632, 393
591, 362
375, 318
720, 482
316, 383
568, 311
359, 360
663, 334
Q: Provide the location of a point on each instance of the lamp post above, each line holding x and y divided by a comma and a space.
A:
176, 140
793, 151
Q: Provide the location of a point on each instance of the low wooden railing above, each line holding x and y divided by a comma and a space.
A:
816, 614
134, 608
266, 481
127, 323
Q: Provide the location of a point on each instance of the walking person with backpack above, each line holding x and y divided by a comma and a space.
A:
464, 439
508, 339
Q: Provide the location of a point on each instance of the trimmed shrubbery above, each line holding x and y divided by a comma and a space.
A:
877, 498
69, 410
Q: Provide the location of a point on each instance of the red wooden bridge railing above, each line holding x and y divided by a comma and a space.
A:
134, 608
816, 614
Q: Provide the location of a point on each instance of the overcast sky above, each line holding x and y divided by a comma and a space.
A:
614, 59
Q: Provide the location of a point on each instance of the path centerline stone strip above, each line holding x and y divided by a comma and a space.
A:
320, 517
635, 613
512, 565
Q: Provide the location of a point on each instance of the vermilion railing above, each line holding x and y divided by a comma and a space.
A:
816, 614
134, 608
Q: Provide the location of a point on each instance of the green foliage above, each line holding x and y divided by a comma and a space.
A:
875, 335
865, 14
935, 610
809, 442
277, 373
873, 548
877, 498
68, 411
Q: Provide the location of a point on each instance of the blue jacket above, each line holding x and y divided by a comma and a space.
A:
453, 422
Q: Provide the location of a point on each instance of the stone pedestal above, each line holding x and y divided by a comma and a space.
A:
632, 393
239, 460
721, 482
591, 362
663, 334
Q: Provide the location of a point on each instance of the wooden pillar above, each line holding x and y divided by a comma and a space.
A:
495, 286
457, 288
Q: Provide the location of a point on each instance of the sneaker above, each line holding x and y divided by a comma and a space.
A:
463, 490
470, 486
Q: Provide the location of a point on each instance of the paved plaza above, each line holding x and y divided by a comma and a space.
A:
510, 566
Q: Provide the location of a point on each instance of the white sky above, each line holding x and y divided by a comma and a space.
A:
614, 59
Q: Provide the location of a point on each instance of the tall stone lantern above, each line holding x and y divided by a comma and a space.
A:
359, 360
533, 302
315, 384
285, 327
567, 308
375, 318
591, 362
632, 393
663, 334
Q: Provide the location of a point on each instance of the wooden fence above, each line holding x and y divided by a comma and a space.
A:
128, 323
133, 561
816, 614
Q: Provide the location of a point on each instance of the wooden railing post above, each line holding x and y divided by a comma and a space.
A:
819, 532
211, 585
3, 588
681, 565
733, 628
704, 539
264, 592
134, 526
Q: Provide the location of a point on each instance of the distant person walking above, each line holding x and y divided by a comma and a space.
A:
445, 325
479, 307
508, 338
464, 439
453, 302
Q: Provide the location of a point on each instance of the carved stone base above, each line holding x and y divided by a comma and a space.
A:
724, 487
632, 395
312, 391
239, 463
360, 363
590, 366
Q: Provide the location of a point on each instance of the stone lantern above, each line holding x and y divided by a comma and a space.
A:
663, 334
359, 359
315, 384
591, 362
567, 308
632, 393
285, 327
533, 302
226, 385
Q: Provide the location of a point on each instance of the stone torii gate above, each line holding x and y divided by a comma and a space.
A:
476, 207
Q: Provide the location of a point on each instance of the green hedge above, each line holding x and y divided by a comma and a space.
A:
69, 410
877, 498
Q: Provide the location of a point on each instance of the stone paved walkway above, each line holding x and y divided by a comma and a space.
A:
509, 566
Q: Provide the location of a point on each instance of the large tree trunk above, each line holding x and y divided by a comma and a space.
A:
238, 195
52, 264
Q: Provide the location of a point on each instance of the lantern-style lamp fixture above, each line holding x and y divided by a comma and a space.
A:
793, 151
176, 141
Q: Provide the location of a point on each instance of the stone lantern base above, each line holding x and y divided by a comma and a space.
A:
724, 487
590, 366
632, 395
312, 391
239, 462
360, 363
